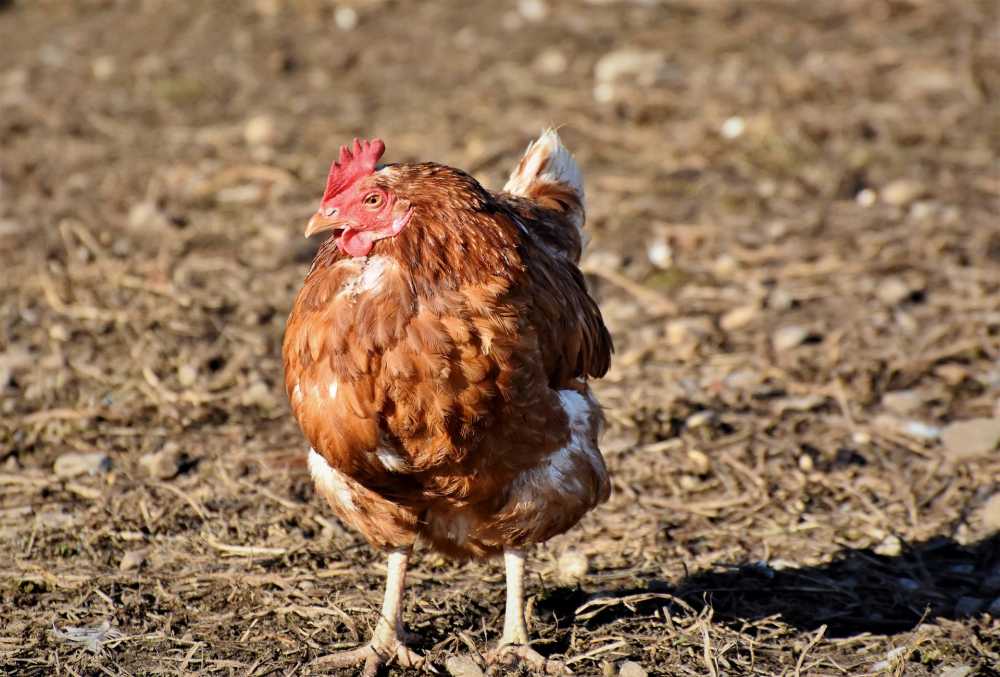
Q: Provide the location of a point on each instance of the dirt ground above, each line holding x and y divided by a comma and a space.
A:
794, 210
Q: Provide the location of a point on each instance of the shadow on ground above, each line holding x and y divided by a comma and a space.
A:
857, 592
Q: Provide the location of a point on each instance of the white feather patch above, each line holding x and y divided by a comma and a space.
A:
560, 470
332, 484
392, 461
370, 278
546, 159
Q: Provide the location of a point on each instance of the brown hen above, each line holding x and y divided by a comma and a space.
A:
437, 360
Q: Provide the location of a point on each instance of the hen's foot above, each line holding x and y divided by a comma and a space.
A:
512, 656
373, 656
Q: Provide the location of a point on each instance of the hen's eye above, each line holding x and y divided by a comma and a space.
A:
372, 200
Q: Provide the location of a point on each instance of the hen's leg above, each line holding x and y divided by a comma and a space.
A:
514, 647
387, 642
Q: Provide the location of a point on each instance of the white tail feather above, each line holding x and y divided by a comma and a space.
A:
546, 159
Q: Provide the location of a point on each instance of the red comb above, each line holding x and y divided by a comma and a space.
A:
354, 163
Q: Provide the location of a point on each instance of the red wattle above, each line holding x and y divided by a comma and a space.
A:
355, 242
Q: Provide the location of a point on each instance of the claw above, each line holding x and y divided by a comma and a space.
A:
373, 657
512, 655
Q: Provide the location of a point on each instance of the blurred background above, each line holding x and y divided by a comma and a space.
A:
795, 242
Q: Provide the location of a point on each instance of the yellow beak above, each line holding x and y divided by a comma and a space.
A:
319, 223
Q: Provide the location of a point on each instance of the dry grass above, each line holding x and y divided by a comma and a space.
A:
774, 513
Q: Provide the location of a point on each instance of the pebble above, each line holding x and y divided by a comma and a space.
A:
660, 254
573, 566
552, 62
733, 128
890, 546
699, 419
258, 393
133, 559
737, 318
146, 215
260, 130
970, 439
164, 464
187, 375
893, 291
866, 197
103, 68
956, 671
699, 459
902, 192
902, 401
346, 18
462, 666
631, 669
789, 337
688, 331
533, 10
921, 430
643, 65
73, 464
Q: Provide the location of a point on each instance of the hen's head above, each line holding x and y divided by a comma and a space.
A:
358, 207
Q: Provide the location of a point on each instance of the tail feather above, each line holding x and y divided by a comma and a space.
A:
548, 174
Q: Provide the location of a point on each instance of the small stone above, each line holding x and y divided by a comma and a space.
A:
74, 464
103, 68
893, 291
573, 566
533, 11
956, 671
699, 459
789, 337
725, 266
920, 430
643, 66
902, 401
737, 318
866, 197
968, 606
902, 192
187, 375
133, 559
733, 128
631, 669
890, 546
58, 332
552, 62
699, 419
660, 254
147, 216
164, 464
970, 439
346, 18
260, 130
806, 463
989, 513
258, 394
462, 666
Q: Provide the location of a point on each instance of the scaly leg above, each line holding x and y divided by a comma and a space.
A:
387, 641
513, 647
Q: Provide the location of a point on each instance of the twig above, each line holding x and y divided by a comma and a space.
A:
812, 642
